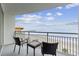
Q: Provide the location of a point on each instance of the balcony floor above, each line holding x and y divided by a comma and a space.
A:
8, 51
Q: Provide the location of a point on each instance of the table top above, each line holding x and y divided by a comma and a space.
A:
34, 43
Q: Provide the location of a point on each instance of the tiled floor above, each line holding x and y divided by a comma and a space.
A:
8, 51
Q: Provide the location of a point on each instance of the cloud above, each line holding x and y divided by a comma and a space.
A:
34, 19
71, 5
58, 24
72, 23
50, 18
59, 7
50, 24
38, 22
49, 14
59, 14
30, 18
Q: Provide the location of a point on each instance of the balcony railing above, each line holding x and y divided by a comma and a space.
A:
68, 42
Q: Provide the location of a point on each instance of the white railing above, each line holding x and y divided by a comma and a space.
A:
68, 42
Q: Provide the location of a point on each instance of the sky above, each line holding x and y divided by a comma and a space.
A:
59, 19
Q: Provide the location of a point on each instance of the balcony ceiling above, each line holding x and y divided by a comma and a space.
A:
20, 8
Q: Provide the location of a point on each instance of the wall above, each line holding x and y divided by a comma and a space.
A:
78, 32
1, 27
9, 23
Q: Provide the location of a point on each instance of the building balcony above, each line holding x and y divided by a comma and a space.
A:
67, 43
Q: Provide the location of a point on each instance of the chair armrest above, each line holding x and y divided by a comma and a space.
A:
25, 40
21, 39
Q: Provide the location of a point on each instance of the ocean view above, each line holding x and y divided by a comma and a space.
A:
58, 19
61, 21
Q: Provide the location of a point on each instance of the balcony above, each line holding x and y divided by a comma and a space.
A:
67, 42
8, 51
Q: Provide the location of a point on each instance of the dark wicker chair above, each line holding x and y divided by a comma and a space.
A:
19, 43
49, 48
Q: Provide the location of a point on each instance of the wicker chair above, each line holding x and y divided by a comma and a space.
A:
49, 48
19, 43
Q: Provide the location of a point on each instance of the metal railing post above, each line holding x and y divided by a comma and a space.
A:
47, 36
28, 35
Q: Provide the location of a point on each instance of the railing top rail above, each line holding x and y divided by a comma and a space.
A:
50, 32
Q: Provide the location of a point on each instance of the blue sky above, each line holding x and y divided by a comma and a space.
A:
60, 19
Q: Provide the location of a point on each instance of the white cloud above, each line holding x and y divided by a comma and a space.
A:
59, 7
72, 23
59, 14
38, 22
58, 24
71, 5
49, 14
30, 18
50, 18
62, 24
34, 18
48, 24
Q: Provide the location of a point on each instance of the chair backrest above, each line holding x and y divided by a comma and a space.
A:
17, 40
49, 48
